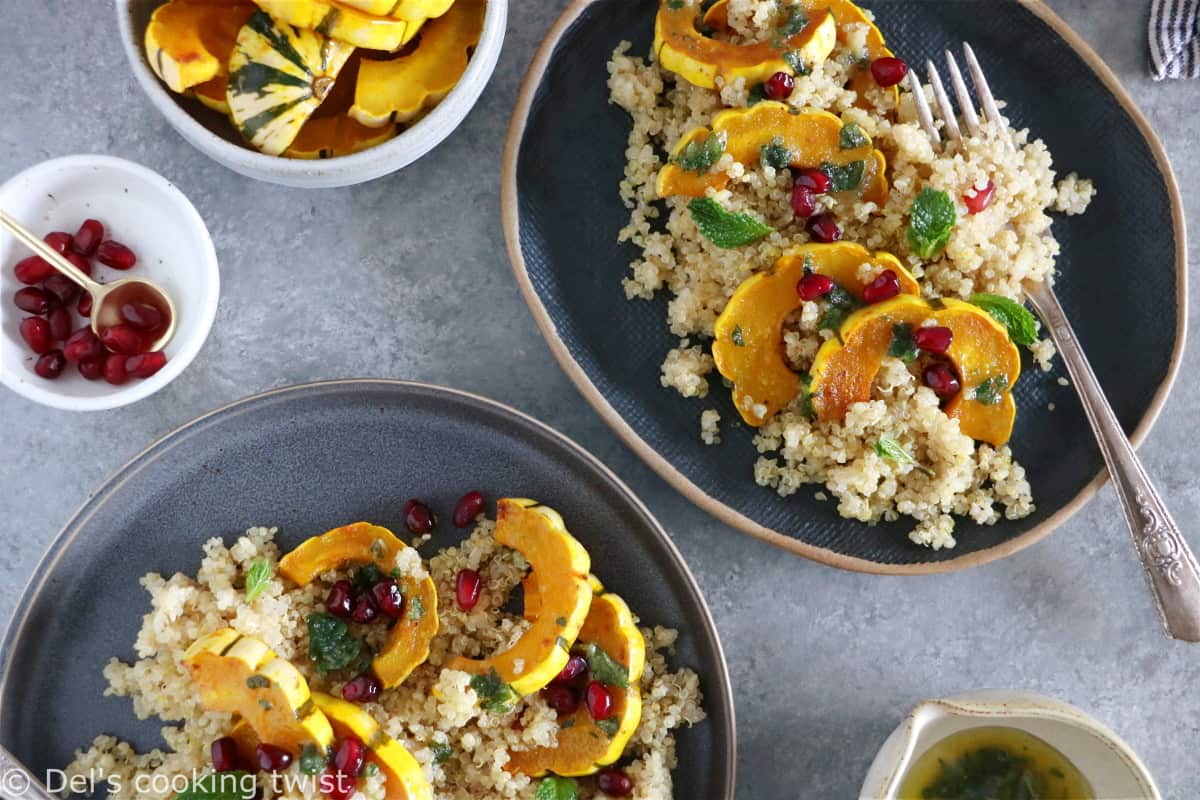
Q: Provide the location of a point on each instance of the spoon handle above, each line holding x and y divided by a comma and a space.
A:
1170, 567
17, 782
35, 243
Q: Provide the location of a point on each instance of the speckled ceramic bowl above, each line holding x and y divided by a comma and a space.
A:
213, 135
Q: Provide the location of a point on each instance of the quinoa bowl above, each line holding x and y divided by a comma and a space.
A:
273, 454
633, 321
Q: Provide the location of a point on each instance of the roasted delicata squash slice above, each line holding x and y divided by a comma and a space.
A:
414, 10
405, 780
343, 23
188, 42
811, 137
563, 596
401, 89
407, 645
701, 60
214, 94
238, 674
748, 347
278, 76
532, 597
987, 362
330, 137
584, 746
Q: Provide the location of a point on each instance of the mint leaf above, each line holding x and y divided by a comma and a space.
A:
441, 752
724, 228
930, 223
852, 137
841, 305
610, 726
903, 346
258, 578
737, 337
330, 645
700, 156
416, 609
494, 694
367, 576
258, 682
989, 392
755, 95
312, 760
554, 788
775, 154
795, 60
887, 447
806, 397
847, 177
234, 785
604, 668
1022, 325
794, 20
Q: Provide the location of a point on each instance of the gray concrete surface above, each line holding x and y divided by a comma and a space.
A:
824, 663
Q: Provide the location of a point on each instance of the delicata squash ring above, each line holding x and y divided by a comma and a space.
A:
188, 42
405, 779
408, 640
763, 382
564, 595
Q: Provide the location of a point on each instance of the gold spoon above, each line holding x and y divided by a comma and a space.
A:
107, 298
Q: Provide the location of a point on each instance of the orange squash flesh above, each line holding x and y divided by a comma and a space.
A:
188, 42
407, 645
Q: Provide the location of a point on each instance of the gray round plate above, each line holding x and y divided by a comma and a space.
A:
307, 459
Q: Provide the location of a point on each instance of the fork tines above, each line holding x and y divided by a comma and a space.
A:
965, 103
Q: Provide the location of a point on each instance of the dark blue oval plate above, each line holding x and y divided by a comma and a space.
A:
307, 459
565, 157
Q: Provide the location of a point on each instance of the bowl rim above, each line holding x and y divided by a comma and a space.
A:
405, 148
40, 576
511, 222
206, 304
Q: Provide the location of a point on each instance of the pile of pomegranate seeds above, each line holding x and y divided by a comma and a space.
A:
53, 299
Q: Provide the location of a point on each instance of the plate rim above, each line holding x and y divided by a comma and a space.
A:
57, 548
510, 220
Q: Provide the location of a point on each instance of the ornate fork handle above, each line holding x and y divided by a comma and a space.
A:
17, 782
1167, 560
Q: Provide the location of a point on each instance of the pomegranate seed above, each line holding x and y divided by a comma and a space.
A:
388, 597
362, 689
466, 588
32, 300
83, 344
60, 324
50, 365
116, 255
419, 517
225, 756
63, 288
340, 600
779, 86
335, 785
142, 315
804, 202
59, 240
469, 506
563, 699
124, 339
885, 286
942, 380
815, 179
92, 369
364, 609
145, 365
34, 269
36, 333
85, 305
272, 758
350, 756
812, 286
575, 667
977, 200
614, 783
114, 369
889, 70
599, 700
88, 237
824, 228
81, 263
933, 339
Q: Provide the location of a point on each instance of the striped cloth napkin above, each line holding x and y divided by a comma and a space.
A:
1175, 38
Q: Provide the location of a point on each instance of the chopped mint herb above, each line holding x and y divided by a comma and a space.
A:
441, 752
845, 177
989, 392
563, 643
724, 228
378, 548
312, 760
852, 137
604, 668
258, 578
494, 694
841, 305
555, 788
775, 154
560, 621
1022, 325
674, 5
330, 645
370, 769
806, 397
566, 723
795, 60
699, 157
755, 95
367, 576
266, 705
810, 264
416, 609
737, 337
931, 222
610, 726
258, 682
887, 447
903, 346
396, 573
235, 785
794, 21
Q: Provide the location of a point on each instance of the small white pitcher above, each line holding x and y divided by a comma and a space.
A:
1109, 765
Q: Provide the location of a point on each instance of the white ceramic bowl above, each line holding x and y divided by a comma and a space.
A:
1111, 767
214, 136
138, 207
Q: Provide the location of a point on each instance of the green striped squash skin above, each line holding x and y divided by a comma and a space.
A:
278, 76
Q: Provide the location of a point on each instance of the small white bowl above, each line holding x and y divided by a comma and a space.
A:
139, 208
214, 135
1109, 764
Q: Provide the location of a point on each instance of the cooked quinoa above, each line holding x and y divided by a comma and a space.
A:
435, 714
993, 251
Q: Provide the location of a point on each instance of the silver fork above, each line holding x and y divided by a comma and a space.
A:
1170, 567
